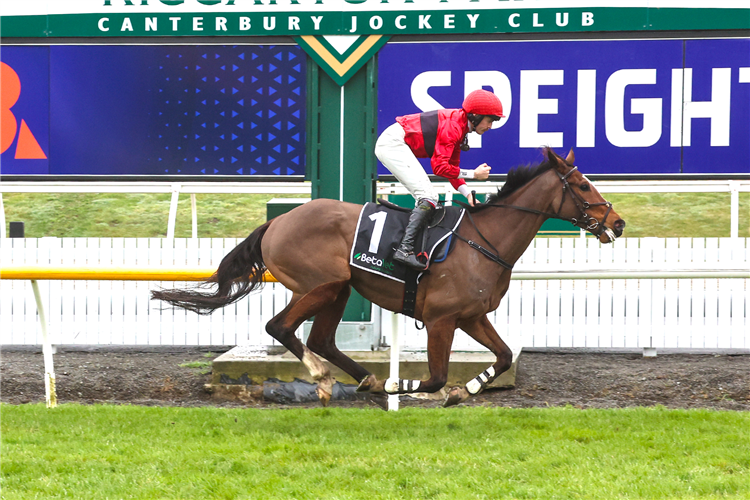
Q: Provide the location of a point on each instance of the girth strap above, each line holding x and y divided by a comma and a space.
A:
410, 293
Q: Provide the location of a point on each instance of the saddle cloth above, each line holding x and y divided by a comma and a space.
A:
379, 232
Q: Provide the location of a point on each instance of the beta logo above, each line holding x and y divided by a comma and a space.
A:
27, 147
374, 261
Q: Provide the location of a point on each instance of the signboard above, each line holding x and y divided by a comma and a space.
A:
104, 18
625, 106
153, 110
24, 119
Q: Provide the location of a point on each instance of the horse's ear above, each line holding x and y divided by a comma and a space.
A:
571, 158
552, 158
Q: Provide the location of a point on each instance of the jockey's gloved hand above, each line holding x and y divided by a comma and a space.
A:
482, 172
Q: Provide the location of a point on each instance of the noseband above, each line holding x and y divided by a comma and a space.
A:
584, 221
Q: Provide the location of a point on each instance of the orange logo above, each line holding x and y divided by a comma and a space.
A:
27, 147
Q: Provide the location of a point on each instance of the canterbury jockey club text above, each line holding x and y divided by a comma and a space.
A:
313, 23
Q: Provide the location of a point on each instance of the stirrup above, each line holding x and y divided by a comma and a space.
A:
409, 259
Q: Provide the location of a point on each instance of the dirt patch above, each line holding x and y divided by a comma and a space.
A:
583, 380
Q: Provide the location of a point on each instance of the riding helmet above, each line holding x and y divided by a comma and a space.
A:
482, 102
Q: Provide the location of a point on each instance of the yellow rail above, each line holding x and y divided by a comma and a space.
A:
139, 273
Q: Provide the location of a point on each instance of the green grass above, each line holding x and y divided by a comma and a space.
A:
127, 215
204, 367
223, 216
494, 453
680, 214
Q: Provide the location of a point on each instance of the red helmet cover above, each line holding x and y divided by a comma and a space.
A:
482, 102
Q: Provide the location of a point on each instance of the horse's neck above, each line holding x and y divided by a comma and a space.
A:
511, 230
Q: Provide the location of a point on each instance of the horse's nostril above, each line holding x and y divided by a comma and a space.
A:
620, 224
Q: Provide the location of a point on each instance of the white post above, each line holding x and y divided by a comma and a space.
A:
734, 191
194, 209
377, 324
49, 368
173, 210
395, 358
341, 148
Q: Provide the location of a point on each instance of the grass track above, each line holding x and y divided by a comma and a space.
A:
226, 215
463, 453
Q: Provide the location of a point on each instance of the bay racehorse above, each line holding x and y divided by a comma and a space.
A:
308, 248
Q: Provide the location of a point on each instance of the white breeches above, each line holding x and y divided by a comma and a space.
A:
398, 158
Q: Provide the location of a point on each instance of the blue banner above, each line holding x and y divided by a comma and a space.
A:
162, 110
24, 123
624, 106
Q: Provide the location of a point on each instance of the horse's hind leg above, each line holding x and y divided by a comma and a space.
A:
483, 332
322, 339
319, 302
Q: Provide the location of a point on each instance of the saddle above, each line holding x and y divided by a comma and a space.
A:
380, 228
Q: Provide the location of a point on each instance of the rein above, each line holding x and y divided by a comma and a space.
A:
584, 222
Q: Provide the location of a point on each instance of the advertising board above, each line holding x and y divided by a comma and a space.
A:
625, 106
153, 110
134, 18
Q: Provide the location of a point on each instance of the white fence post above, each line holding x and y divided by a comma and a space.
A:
734, 195
173, 210
672, 309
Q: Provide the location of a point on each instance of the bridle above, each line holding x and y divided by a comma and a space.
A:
584, 221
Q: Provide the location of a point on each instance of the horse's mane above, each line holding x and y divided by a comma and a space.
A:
517, 177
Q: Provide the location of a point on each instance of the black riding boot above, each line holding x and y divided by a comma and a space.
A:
417, 220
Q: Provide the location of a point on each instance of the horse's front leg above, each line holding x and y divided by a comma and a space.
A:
439, 341
483, 332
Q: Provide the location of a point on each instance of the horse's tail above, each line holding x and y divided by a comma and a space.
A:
240, 272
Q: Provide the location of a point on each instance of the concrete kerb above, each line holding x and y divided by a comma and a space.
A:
240, 370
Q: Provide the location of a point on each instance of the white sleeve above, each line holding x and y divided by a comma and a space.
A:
464, 190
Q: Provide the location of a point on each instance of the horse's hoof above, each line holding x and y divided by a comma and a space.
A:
380, 399
366, 384
325, 390
323, 396
455, 396
371, 384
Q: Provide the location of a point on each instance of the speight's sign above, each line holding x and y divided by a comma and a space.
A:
105, 18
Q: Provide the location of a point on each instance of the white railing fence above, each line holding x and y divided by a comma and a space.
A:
601, 313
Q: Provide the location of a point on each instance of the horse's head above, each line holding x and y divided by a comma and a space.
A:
580, 201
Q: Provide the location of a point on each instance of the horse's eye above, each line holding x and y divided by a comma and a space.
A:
585, 187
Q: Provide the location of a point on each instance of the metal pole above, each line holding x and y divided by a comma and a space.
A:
194, 210
341, 149
49, 367
173, 210
395, 358
734, 226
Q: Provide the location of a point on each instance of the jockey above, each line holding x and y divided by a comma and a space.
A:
441, 136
